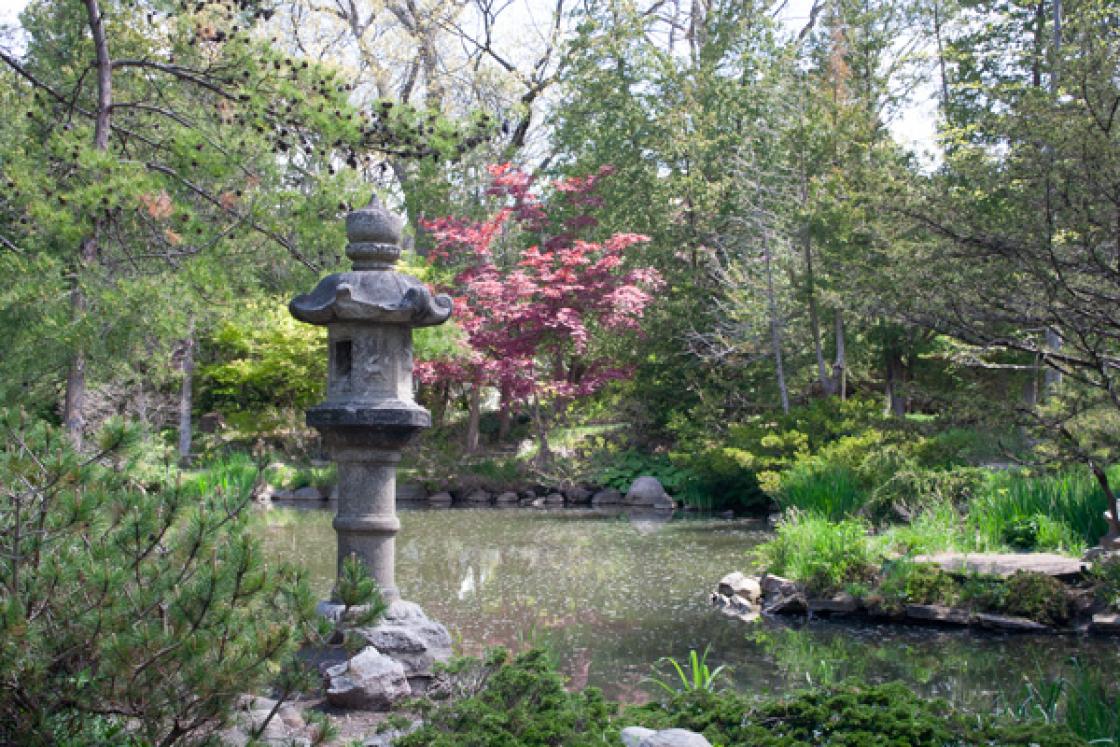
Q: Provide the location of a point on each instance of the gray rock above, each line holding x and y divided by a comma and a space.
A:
632, 736
443, 498
406, 635
1010, 623
646, 491
607, 497
772, 584
938, 613
675, 738
1005, 564
577, 495
478, 495
786, 604
506, 498
263, 493
1105, 623
745, 586
411, 491
308, 493
368, 681
837, 604
554, 499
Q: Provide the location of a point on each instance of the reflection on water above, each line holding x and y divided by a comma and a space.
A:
613, 594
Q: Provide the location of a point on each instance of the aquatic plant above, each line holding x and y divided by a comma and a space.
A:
698, 676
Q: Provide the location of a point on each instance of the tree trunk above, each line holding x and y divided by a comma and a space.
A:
72, 415
1112, 538
544, 452
775, 329
440, 395
896, 380
186, 398
840, 364
505, 413
474, 416
828, 385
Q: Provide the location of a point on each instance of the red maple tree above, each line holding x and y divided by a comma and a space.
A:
531, 294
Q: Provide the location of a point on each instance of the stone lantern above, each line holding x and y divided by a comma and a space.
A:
369, 413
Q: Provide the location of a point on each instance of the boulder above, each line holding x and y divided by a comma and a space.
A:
554, 499
606, 497
577, 495
938, 614
368, 681
308, 493
785, 604
647, 491
263, 493
411, 491
636, 735
772, 584
408, 636
507, 498
632, 736
478, 495
744, 586
1106, 623
837, 604
1010, 623
441, 499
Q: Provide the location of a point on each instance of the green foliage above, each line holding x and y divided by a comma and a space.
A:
356, 588
1106, 573
846, 714
521, 703
905, 582
698, 676
1037, 596
154, 606
260, 360
823, 555
1063, 511
1085, 701
822, 488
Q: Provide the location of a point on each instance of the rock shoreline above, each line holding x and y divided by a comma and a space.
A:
645, 492
751, 597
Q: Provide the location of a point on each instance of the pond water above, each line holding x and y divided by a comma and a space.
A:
610, 595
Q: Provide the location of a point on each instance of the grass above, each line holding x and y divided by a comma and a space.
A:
1084, 700
825, 489
1063, 512
822, 554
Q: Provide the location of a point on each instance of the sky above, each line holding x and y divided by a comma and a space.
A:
915, 128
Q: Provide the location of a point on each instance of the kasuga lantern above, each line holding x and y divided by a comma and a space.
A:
369, 413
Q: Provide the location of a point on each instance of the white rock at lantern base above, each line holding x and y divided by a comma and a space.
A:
368, 681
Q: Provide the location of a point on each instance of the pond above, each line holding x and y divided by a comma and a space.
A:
610, 595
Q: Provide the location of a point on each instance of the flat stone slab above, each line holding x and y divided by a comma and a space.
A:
1105, 622
1010, 623
1005, 564
939, 614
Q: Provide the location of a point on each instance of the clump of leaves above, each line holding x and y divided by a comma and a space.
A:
848, 714
697, 677
1107, 576
522, 702
1037, 596
155, 608
905, 582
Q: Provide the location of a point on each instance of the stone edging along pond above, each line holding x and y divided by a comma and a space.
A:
1061, 599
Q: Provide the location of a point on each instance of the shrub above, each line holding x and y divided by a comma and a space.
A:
847, 714
823, 555
905, 583
122, 607
1037, 596
1106, 573
522, 702
820, 487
